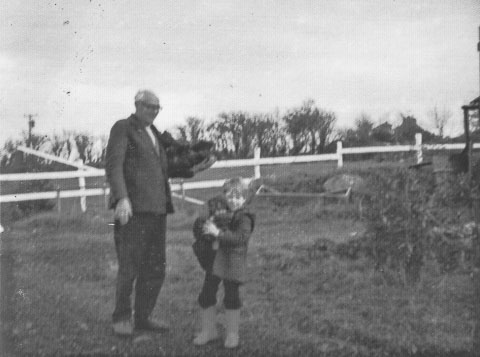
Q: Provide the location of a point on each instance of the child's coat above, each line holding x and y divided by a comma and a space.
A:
229, 261
231, 258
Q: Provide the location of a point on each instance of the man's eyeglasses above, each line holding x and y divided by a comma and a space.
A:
152, 106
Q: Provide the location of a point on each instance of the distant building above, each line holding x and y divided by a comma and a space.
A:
405, 132
383, 133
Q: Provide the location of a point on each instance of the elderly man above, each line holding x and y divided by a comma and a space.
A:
137, 171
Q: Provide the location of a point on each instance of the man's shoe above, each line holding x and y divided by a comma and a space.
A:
123, 328
151, 325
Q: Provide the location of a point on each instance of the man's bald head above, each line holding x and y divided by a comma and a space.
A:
147, 106
147, 97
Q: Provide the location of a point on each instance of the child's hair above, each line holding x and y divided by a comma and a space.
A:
244, 186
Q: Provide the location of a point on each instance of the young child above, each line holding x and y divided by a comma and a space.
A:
229, 228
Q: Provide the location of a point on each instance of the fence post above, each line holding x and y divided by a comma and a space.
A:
339, 153
83, 199
183, 193
59, 202
256, 156
105, 196
418, 147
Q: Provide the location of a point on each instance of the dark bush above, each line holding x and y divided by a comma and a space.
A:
414, 214
26, 208
29, 207
20, 163
396, 213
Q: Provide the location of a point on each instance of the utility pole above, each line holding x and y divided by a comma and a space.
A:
31, 125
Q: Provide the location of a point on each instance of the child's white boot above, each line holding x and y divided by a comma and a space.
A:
209, 329
233, 322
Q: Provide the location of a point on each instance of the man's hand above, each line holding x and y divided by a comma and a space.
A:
205, 164
123, 211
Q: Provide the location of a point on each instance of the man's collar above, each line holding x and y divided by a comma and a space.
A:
138, 122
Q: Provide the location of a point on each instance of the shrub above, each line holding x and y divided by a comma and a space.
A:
396, 216
26, 208
20, 163
413, 215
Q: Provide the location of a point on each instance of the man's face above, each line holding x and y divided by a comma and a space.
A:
148, 109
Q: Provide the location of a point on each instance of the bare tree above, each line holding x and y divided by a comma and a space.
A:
219, 133
439, 118
267, 133
238, 127
309, 127
192, 131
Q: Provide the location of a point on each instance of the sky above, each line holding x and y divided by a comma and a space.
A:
77, 64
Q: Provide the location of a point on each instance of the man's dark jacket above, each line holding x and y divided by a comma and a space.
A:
135, 170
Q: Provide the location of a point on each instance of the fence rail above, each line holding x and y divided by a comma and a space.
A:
54, 175
48, 195
84, 171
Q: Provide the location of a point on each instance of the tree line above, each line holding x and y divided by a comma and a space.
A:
302, 130
306, 129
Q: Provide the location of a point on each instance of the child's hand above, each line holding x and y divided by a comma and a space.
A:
210, 228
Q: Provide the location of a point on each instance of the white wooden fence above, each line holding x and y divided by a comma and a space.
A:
256, 162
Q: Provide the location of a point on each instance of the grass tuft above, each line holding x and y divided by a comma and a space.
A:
52, 221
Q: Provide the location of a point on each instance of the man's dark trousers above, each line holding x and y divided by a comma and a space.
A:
140, 246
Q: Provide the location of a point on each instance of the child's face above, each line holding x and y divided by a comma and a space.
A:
234, 198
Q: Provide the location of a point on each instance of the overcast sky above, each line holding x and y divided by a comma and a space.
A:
78, 64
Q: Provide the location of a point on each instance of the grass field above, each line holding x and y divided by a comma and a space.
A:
301, 299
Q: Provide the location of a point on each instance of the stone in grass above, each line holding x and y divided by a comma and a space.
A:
142, 338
